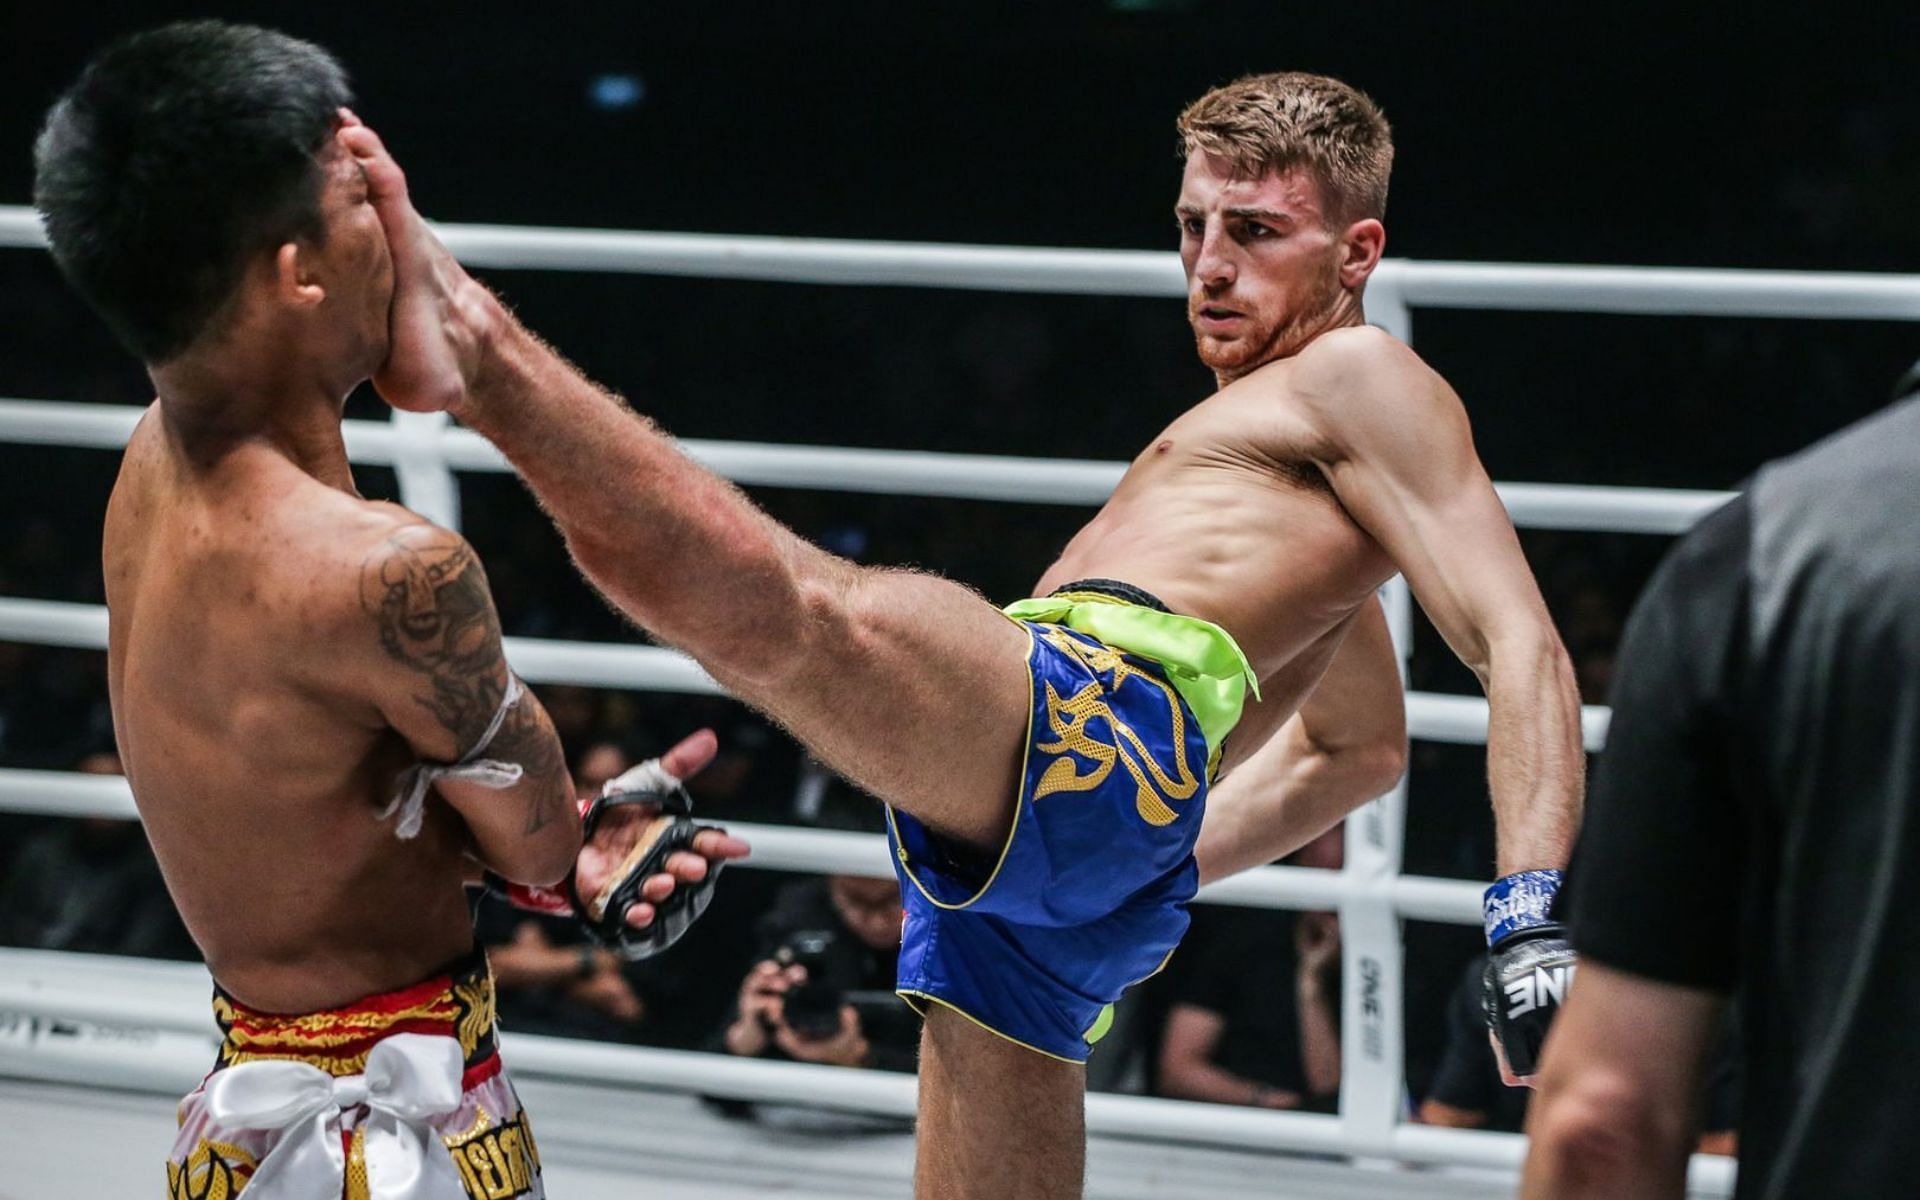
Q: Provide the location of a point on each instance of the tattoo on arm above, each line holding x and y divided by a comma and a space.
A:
527, 737
428, 594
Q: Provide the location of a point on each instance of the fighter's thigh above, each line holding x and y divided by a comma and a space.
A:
916, 689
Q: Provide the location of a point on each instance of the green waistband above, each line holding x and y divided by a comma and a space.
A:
1203, 662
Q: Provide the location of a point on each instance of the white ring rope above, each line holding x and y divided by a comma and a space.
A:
173, 996
821, 851
1431, 716
1664, 291
888, 472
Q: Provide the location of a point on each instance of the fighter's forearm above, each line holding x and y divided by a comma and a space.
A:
1286, 794
633, 507
1536, 766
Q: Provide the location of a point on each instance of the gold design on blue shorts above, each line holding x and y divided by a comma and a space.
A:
1154, 786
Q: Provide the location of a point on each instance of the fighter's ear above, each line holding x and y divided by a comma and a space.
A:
1361, 245
296, 281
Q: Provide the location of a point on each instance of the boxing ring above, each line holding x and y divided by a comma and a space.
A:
158, 1011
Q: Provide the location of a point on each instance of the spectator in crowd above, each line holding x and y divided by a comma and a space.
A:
1255, 1020
91, 886
822, 988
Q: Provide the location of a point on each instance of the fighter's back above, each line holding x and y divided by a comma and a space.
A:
236, 624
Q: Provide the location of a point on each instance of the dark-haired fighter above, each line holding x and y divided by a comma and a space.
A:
1049, 772
295, 670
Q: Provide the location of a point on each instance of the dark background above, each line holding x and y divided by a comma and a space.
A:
1693, 135
1663, 135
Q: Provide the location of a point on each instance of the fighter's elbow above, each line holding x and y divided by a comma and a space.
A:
1366, 758
1602, 1137
555, 865
1376, 766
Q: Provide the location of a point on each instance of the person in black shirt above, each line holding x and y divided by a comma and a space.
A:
1255, 1012
1751, 831
90, 886
1466, 1092
822, 988
1255, 1020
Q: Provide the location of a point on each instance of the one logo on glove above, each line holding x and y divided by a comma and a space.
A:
1538, 988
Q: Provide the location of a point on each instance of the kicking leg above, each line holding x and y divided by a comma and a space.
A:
911, 686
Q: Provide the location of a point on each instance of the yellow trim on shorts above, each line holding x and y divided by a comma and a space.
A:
1019, 803
909, 995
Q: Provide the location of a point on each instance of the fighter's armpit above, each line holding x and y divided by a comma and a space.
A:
427, 594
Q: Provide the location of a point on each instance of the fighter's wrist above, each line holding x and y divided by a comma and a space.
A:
1519, 902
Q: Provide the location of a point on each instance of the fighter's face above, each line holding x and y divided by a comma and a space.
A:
1262, 263
358, 269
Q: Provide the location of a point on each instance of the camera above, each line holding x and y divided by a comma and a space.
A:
812, 1009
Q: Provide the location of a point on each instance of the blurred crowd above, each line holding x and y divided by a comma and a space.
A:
1248, 1012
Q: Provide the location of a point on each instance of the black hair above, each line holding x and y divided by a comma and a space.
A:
178, 154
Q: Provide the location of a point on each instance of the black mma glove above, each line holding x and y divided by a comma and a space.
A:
1530, 964
604, 915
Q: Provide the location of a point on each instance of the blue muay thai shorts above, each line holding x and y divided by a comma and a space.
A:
1130, 704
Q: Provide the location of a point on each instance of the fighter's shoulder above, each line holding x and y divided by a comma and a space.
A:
1359, 363
1352, 385
391, 565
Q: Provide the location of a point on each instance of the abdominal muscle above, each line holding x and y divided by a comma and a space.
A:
1279, 566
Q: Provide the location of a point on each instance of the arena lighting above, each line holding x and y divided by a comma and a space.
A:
616, 92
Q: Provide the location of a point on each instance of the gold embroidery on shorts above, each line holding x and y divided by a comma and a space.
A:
482, 1121
212, 1171
357, 1187
496, 1163
475, 998
1068, 719
318, 1038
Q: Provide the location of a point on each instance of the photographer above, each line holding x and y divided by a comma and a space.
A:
822, 990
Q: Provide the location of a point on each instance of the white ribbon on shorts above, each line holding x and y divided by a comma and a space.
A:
410, 1079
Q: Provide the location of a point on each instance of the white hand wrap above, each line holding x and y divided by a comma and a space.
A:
410, 801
